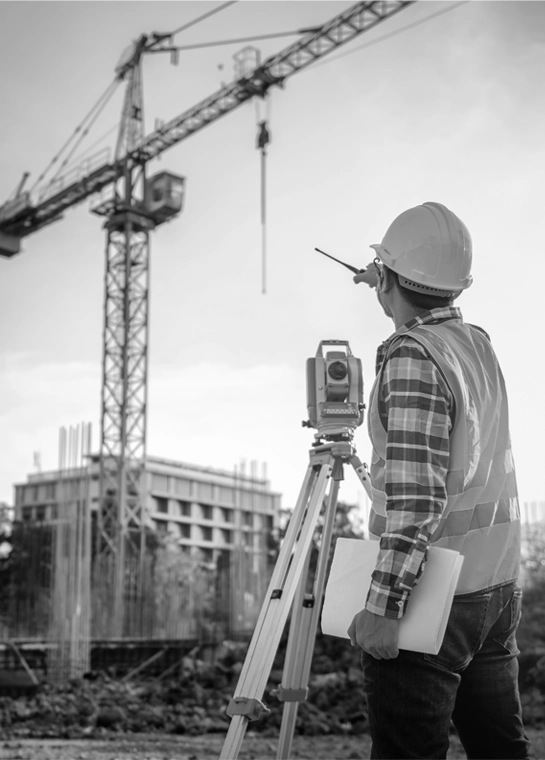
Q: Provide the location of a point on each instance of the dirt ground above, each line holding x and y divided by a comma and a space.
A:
164, 747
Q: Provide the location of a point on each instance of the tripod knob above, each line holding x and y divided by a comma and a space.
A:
306, 423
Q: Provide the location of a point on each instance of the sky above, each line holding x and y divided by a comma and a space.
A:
450, 110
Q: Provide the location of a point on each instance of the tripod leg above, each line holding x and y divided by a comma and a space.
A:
302, 634
363, 474
246, 704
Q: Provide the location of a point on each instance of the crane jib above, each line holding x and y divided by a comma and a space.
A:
27, 217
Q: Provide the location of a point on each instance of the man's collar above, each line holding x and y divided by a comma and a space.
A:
428, 317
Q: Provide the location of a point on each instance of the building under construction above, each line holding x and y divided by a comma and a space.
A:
205, 511
210, 538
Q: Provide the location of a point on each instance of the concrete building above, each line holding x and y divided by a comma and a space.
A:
205, 510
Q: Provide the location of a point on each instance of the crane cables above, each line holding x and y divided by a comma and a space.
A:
254, 38
112, 129
201, 18
405, 28
83, 130
99, 106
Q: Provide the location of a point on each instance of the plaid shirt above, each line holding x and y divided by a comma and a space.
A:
415, 405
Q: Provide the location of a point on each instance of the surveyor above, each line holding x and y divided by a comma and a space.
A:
442, 473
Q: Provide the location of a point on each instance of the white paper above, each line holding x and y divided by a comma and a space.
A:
422, 627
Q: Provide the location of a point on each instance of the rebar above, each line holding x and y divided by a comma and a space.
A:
69, 630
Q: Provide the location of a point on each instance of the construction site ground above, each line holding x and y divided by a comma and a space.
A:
208, 747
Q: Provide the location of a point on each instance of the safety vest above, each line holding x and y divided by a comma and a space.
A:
481, 519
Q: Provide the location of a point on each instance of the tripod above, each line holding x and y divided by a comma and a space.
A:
288, 586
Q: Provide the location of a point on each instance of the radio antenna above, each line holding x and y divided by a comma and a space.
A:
348, 266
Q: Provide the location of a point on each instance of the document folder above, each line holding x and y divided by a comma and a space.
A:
423, 625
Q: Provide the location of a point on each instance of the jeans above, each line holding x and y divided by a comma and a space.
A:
472, 681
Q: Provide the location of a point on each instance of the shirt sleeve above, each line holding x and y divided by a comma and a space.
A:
415, 404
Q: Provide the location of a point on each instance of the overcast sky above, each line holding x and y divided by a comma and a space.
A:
451, 110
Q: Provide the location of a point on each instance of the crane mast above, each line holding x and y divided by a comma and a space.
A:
120, 535
131, 213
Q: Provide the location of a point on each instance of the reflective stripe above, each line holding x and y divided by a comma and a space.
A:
481, 518
461, 521
491, 556
498, 489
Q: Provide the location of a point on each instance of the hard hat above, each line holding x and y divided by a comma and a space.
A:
429, 247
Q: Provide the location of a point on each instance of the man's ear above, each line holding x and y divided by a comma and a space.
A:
388, 280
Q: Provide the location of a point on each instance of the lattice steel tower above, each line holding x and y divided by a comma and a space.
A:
120, 536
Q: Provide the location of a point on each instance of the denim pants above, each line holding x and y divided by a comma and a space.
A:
472, 681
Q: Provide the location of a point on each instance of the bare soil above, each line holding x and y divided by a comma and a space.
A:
165, 747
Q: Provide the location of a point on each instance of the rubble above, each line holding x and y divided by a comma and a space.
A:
193, 699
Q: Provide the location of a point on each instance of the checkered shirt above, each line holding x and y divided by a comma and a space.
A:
415, 405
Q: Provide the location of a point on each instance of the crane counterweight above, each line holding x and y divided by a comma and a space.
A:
9, 245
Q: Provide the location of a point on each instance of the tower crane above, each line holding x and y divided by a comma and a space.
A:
136, 206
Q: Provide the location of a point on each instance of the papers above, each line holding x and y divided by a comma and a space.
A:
422, 627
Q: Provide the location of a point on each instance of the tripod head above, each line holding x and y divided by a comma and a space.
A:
334, 391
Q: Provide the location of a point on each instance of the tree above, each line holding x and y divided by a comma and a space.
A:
6, 522
531, 630
533, 554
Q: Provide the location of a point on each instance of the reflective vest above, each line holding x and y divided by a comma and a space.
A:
481, 519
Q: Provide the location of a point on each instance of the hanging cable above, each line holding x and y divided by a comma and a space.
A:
101, 102
263, 139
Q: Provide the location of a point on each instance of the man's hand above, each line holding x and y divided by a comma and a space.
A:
375, 634
368, 275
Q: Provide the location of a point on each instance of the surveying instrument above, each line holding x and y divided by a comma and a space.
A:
335, 407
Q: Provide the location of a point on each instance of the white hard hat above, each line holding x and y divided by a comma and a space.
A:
429, 247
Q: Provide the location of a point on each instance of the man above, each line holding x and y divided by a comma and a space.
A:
442, 473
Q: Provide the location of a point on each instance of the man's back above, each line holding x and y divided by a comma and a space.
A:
481, 519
